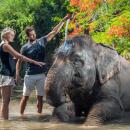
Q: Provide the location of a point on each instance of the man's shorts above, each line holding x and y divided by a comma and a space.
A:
32, 82
6, 81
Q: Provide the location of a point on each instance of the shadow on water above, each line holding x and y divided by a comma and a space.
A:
32, 118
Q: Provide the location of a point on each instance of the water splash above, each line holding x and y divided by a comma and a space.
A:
65, 47
66, 29
66, 32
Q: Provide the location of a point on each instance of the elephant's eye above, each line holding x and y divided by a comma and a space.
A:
78, 61
77, 74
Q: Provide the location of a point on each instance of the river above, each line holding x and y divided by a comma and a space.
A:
32, 121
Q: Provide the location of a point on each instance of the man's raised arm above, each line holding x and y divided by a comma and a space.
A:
57, 28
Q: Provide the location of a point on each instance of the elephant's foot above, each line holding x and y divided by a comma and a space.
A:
102, 111
64, 113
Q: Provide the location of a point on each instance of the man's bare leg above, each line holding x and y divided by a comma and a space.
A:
23, 104
39, 104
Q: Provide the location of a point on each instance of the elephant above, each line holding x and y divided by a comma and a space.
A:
88, 79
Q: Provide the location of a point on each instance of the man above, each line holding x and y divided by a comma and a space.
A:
35, 76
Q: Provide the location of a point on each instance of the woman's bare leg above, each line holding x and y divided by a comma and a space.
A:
5, 94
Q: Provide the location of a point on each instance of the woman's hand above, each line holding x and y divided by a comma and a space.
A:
39, 63
18, 79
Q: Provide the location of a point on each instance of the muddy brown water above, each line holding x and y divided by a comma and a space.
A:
32, 121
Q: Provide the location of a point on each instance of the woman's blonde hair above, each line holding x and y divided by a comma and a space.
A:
6, 31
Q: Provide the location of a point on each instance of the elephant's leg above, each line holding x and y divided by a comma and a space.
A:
101, 111
78, 111
65, 112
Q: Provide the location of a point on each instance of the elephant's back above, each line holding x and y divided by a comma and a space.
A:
125, 82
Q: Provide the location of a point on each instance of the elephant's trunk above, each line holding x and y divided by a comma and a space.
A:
56, 84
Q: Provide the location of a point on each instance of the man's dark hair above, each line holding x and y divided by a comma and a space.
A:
29, 29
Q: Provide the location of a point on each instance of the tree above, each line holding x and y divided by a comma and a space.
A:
108, 21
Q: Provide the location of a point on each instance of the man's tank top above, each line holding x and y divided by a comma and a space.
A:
7, 63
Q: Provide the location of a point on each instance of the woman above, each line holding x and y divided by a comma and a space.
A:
7, 68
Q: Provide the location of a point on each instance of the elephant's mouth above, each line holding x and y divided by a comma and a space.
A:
81, 92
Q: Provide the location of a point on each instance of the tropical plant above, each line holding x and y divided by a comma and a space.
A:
108, 22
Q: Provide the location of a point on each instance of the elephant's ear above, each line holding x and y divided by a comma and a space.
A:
108, 63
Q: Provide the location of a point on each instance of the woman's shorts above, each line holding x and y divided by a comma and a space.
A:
6, 81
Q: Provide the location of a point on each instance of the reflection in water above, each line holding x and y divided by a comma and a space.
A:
32, 121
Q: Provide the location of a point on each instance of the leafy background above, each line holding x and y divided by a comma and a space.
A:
42, 14
107, 21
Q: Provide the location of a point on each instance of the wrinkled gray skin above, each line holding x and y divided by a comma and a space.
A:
90, 80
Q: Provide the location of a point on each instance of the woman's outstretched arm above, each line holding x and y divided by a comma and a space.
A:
13, 52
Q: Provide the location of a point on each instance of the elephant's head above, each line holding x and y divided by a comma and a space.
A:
75, 67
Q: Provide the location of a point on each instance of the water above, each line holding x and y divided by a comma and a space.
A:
32, 121
65, 48
66, 28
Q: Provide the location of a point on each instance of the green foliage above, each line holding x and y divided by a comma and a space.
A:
43, 14
18, 14
108, 23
